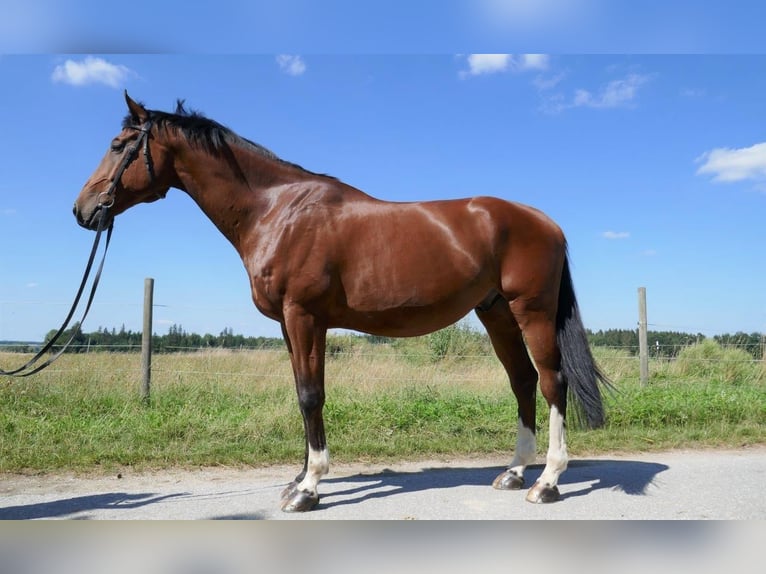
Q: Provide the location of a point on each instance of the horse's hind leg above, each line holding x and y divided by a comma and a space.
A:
507, 340
539, 329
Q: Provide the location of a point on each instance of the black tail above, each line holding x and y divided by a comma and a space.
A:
578, 368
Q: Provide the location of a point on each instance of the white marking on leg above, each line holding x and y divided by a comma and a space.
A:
557, 459
526, 450
526, 441
318, 466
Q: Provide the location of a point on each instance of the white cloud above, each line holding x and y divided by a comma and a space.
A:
291, 65
615, 234
479, 64
614, 94
91, 70
730, 165
8, 212
543, 84
487, 63
533, 61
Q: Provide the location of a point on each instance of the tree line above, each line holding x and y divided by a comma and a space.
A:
177, 339
666, 344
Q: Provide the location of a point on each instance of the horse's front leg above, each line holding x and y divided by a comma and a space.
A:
305, 338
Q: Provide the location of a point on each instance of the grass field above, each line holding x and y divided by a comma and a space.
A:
383, 402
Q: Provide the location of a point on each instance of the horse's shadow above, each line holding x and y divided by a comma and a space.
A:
81, 504
630, 477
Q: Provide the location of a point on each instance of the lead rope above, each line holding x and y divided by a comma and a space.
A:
29, 368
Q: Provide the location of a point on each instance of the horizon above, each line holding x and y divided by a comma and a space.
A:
345, 332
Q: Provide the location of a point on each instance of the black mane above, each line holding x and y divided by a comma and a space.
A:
205, 133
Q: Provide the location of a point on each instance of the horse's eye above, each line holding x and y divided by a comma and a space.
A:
118, 146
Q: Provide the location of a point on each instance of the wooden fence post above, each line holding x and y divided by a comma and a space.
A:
643, 345
146, 339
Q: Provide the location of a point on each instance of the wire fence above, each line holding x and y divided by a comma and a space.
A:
421, 355
671, 353
665, 350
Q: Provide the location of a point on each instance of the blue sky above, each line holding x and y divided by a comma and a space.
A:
390, 26
654, 166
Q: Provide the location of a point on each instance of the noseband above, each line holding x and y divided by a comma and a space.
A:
106, 198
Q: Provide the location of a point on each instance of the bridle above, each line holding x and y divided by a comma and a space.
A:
105, 202
130, 154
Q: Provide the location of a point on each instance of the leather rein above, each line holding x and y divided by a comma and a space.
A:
105, 202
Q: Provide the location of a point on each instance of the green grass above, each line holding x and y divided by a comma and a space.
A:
239, 408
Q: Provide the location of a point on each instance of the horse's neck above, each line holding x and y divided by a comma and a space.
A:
234, 191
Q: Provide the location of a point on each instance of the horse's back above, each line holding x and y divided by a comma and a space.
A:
441, 244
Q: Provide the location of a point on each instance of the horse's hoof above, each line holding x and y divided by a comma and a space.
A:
300, 501
543, 493
289, 491
508, 480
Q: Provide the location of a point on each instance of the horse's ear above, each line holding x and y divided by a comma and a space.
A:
137, 111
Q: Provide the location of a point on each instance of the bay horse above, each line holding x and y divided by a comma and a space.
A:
321, 254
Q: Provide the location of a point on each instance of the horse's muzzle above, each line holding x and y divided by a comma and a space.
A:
90, 220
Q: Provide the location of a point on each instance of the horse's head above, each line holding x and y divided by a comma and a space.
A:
136, 169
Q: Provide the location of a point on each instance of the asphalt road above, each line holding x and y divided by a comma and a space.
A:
670, 485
